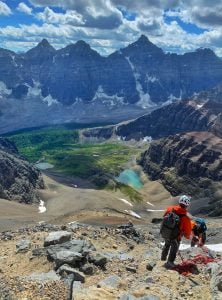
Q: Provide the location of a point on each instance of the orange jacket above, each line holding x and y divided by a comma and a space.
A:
193, 224
185, 224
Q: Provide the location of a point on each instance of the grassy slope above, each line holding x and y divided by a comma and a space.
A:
59, 146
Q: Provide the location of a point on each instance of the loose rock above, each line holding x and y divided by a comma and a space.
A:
57, 237
23, 246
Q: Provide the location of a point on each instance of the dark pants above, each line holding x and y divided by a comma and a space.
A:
173, 247
203, 237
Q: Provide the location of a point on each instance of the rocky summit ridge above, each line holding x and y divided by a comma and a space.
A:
82, 262
141, 70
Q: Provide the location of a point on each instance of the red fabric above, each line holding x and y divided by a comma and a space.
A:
185, 224
189, 266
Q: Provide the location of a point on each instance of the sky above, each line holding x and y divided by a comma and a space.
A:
107, 25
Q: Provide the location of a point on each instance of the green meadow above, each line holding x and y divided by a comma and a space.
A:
61, 147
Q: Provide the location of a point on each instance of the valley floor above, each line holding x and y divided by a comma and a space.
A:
70, 198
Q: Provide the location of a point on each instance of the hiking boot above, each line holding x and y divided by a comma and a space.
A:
169, 265
163, 257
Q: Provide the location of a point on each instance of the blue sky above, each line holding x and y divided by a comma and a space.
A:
107, 25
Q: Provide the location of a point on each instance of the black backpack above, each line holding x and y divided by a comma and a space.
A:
200, 226
170, 226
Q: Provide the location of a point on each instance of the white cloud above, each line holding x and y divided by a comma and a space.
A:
22, 7
97, 14
4, 9
103, 26
70, 17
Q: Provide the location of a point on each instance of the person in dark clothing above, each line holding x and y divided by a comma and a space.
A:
199, 229
171, 246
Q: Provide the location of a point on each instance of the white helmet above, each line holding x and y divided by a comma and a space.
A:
185, 200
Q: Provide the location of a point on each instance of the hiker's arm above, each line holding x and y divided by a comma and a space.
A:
186, 229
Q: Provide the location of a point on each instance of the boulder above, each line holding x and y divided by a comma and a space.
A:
73, 250
57, 237
66, 257
150, 266
23, 246
112, 281
87, 269
216, 279
98, 260
80, 246
49, 276
39, 252
66, 270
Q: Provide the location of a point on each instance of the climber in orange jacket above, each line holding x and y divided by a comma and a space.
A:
178, 215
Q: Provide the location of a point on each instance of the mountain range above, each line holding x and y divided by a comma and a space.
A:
185, 147
47, 86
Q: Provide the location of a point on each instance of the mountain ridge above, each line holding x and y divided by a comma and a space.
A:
66, 85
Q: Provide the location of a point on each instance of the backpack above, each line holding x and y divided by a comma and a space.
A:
170, 226
200, 226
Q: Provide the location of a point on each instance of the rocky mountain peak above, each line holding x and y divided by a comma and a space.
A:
206, 51
5, 52
80, 48
44, 44
142, 45
143, 39
82, 45
43, 48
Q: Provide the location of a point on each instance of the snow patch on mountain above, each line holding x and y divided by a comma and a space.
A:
49, 100
4, 91
120, 138
113, 100
35, 90
132, 213
150, 78
200, 105
147, 139
145, 100
14, 61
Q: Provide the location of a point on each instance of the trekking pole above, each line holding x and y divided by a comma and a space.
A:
180, 255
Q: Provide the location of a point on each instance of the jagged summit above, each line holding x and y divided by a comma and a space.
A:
143, 39
143, 44
82, 44
45, 44
79, 48
43, 47
207, 52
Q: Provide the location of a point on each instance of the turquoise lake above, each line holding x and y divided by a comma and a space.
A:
131, 178
44, 166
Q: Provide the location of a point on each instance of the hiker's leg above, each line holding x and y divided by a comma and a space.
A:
193, 242
165, 250
173, 250
204, 236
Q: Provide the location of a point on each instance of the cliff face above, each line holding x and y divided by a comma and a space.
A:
19, 180
183, 116
140, 73
47, 86
186, 163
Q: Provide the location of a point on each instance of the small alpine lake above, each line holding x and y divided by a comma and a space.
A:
43, 166
130, 178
